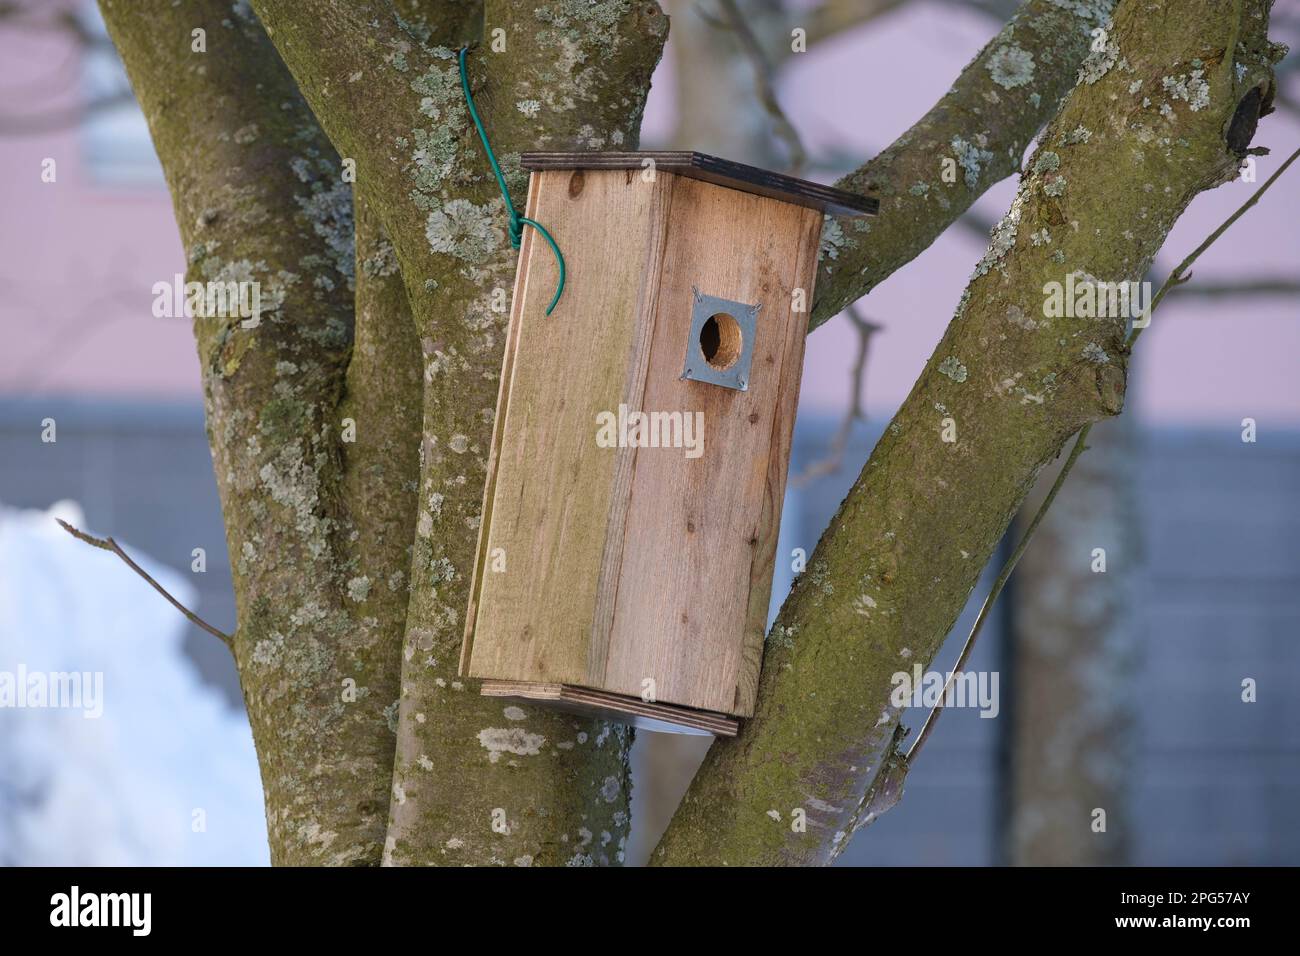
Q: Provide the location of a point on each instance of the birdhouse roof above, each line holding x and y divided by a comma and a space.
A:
721, 172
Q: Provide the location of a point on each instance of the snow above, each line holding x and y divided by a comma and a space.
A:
167, 775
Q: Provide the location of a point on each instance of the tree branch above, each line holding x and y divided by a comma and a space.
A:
998, 399
1079, 447
735, 21
1179, 276
865, 329
1181, 273
570, 77
1068, 693
1245, 288
970, 139
108, 544
260, 197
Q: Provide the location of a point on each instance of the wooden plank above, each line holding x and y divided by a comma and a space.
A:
638, 369
720, 172
664, 718
518, 296
701, 532
778, 465
553, 484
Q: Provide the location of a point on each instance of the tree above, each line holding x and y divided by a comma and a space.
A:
323, 148
1076, 632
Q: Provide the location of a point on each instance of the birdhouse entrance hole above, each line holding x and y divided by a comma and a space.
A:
721, 340
720, 348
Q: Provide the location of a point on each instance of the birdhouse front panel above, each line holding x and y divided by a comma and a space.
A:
642, 437
704, 529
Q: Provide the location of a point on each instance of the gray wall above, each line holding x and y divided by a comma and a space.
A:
1219, 781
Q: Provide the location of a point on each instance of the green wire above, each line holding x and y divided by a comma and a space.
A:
517, 222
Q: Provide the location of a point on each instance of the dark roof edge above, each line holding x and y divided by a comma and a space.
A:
721, 172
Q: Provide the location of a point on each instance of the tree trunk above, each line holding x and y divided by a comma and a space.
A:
1074, 639
350, 427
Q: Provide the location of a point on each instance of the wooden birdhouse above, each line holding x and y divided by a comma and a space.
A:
642, 436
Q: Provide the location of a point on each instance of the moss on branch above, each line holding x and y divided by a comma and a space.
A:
476, 780
259, 196
973, 137
1144, 132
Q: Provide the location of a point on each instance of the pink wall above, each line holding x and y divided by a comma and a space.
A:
77, 259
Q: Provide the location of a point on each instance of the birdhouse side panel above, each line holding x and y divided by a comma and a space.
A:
700, 531
543, 538
494, 454
778, 466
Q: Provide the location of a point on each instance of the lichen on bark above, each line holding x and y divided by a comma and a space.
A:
890, 575
973, 137
472, 783
265, 201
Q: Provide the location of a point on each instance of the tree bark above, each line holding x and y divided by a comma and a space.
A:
973, 137
1147, 128
475, 781
258, 196
352, 558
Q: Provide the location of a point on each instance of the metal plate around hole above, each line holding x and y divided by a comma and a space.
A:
697, 367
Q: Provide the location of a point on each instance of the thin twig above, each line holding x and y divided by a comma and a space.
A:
1176, 278
14, 16
1180, 274
834, 17
1245, 287
856, 412
52, 122
108, 544
1010, 565
763, 77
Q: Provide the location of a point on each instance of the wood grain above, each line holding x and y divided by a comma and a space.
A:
631, 565
778, 466
498, 428
701, 533
551, 499
638, 370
